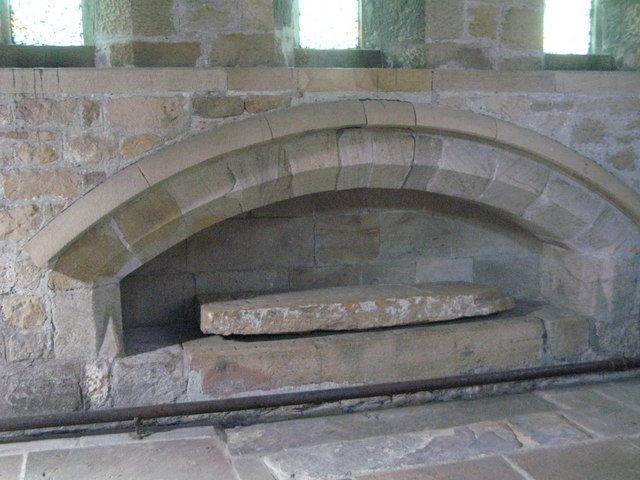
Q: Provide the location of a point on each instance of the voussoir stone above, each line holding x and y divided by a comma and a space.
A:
350, 308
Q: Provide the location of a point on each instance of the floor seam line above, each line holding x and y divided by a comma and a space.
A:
519, 470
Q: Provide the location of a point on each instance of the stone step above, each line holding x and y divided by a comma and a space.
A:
354, 307
530, 335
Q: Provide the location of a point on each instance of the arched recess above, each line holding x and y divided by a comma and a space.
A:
191, 185
580, 210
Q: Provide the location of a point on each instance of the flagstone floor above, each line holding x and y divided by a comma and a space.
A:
587, 432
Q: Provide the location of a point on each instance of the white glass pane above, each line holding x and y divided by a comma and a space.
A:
567, 26
46, 22
329, 23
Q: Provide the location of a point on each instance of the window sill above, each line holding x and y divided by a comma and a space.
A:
553, 61
348, 58
30, 56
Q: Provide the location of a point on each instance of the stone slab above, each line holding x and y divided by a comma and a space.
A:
613, 459
252, 469
152, 434
272, 437
594, 412
392, 452
177, 460
224, 368
483, 469
10, 467
625, 392
545, 428
233, 365
351, 308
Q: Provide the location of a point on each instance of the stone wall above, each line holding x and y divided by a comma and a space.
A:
477, 34
454, 34
62, 132
485, 34
170, 33
503, 35
618, 31
411, 33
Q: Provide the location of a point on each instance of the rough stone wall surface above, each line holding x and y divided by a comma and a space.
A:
455, 34
619, 30
185, 33
64, 132
483, 34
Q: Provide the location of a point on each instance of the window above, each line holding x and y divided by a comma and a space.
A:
329, 24
44, 22
567, 26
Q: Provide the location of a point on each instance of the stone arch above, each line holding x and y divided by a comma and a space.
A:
586, 217
167, 196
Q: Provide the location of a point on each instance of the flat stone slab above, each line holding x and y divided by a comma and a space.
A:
482, 469
351, 308
10, 467
229, 365
176, 460
595, 412
545, 429
393, 452
611, 459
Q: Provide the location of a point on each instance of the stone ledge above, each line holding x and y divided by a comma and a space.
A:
493, 81
46, 56
83, 81
579, 62
338, 58
80, 81
567, 82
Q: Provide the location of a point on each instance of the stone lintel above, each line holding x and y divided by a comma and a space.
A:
350, 308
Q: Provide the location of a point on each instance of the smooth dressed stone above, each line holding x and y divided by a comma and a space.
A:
351, 308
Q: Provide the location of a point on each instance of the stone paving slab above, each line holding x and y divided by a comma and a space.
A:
149, 435
546, 429
11, 467
595, 412
483, 469
252, 469
19, 448
105, 439
608, 460
625, 392
354, 307
427, 447
176, 460
273, 437
393, 452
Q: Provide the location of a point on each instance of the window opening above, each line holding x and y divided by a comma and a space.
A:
46, 22
567, 26
329, 24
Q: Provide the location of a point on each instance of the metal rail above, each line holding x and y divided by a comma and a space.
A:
89, 417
